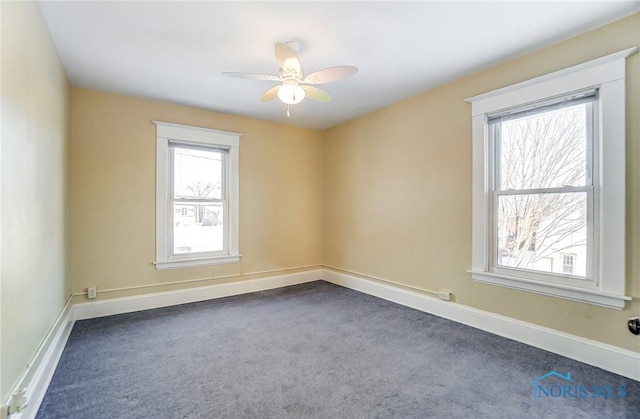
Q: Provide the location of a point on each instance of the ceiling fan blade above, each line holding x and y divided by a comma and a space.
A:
329, 75
270, 94
253, 76
287, 59
316, 94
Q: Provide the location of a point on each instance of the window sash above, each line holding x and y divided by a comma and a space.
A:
494, 130
564, 189
196, 201
494, 124
191, 146
172, 200
538, 275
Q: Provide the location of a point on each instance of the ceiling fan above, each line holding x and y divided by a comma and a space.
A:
294, 85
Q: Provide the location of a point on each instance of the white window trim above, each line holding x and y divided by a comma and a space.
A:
608, 75
166, 132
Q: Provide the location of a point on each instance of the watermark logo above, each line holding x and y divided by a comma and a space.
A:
554, 385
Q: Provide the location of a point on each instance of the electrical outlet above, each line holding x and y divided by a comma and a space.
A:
18, 402
634, 325
444, 295
92, 292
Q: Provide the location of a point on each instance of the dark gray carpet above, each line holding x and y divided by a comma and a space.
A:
313, 351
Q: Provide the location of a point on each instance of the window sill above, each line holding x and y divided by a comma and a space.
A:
195, 262
595, 297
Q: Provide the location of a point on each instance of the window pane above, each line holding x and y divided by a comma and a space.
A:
539, 231
197, 228
197, 173
545, 150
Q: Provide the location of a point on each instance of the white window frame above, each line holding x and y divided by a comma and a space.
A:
165, 134
607, 74
591, 167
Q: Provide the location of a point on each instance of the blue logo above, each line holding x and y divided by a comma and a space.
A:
555, 385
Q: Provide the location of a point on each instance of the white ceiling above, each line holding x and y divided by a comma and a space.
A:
175, 51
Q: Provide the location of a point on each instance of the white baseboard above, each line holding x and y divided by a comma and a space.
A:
607, 357
113, 306
45, 363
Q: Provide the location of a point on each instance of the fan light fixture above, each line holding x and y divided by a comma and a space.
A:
291, 92
295, 85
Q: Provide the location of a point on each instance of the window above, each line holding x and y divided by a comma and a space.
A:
200, 195
549, 184
196, 196
542, 194
568, 263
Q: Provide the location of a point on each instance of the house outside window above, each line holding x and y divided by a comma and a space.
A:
549, 184
196, 196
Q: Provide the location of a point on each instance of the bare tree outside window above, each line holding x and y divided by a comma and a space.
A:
199, 189
538, 217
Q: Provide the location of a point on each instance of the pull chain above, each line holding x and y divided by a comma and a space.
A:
288, 113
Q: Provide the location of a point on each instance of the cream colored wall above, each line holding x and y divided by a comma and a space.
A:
397, 192
35, 129
113, 194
